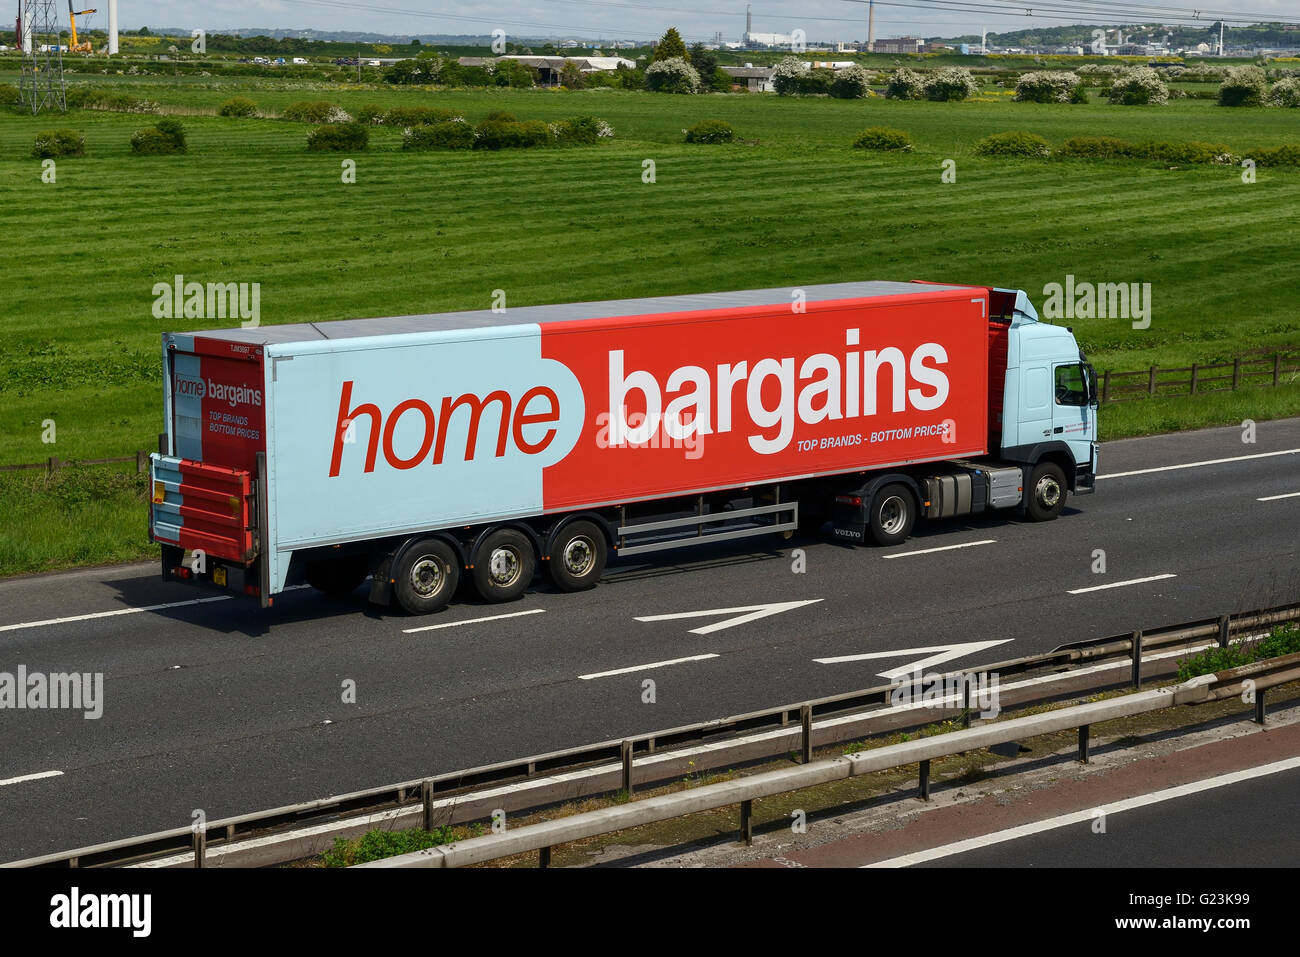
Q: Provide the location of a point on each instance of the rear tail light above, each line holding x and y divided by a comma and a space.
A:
180, 571
849, 499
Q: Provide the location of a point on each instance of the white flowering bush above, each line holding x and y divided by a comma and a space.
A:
950, 83
905, 84
673, 75
786, 75
1050, 86
338, 115
1140, 86
1243, 86
851, 83
1285, 92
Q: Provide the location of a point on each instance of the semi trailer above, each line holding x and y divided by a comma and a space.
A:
418, 451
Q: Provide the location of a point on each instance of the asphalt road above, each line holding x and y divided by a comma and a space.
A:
223, 707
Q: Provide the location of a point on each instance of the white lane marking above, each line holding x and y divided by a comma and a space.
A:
938, 654
653, 664
1274, 498
745, 614
129, 611
29, 777
1134, 581
1080, 817
944, 548
472, 621
1193, 465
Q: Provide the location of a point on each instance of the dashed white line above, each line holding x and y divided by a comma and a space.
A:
472, 621
942, 548
29, 777
1194, 465
1134, 581
128, 611
1081, 817
1274, 498
653, 664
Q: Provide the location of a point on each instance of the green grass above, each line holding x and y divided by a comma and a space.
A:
1282, 640
439, 231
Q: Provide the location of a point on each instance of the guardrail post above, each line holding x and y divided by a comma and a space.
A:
925, 780
1137, 659
1236, 373
1225, 630
1083, 744
965, 700
805, 719
201, 847
1259, 705
426, 797
747, 822
626, 749
543, 857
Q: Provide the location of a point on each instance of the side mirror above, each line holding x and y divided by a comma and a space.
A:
1093, 399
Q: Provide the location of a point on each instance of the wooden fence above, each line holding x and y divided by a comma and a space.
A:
1198, 379
54, 463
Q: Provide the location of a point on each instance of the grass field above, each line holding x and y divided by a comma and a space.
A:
793, 206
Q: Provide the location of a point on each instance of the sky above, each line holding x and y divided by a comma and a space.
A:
695, 19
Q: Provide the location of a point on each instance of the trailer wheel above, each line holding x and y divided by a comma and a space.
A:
1046, 492
338, 576
893, 513
578, 557
426, 575
504, 565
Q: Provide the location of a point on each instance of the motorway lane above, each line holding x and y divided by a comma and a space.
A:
223, 706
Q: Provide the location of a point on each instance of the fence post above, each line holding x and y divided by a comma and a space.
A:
1105, 386
141, 461
1277, 368
1193, 392
1236, 373
805, 719
1151, 381
53, 465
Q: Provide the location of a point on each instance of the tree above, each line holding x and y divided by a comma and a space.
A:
704, 61
670, 46
673, 75
571, 77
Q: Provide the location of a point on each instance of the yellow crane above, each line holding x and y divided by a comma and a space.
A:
76, 47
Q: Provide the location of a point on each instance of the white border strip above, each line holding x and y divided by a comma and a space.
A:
1134, 581
1194, 465
472, 621
653, 664
944, 548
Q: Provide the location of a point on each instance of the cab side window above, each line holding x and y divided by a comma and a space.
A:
1071, 386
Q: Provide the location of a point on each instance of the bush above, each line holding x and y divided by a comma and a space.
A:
1095, 147
673, 75
1053, 86
339, 136
851, 83
884, 139
582, 130
91, 99
711, 131
417, 116
501, 116
787, 75
309, 111
237, 106
1286, 92
905, 84
449, 135
166, 137
1014, 143
1140, 86
950, 84
372, 114
9, 94
1183, 154
499, 135
50, 143
1243, 86
1286, 155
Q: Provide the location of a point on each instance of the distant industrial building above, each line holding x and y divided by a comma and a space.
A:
899, 45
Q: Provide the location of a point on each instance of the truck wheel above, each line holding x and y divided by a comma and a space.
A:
1046, 492
338, 576
893, 513
578, 557
504, 565
425, 577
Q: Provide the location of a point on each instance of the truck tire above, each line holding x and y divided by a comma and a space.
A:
425, 576
504, 565
1046, 490
338, 577
893, 513
578, 556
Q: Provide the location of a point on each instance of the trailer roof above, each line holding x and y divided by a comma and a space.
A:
568, 312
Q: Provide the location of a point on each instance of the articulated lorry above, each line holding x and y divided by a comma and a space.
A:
418, 451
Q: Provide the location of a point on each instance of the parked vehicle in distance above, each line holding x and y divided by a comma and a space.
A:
418, 450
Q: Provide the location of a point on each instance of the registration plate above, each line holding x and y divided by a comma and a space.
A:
219, 576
